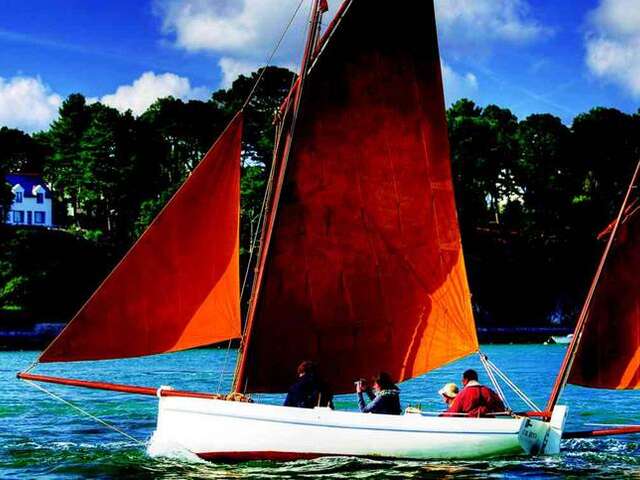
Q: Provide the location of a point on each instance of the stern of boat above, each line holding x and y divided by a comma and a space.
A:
538, 437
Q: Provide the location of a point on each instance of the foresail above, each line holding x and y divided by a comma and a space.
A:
365, 270
608, 355
178, 287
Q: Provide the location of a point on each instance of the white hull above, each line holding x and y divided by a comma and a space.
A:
561, 340
220, 430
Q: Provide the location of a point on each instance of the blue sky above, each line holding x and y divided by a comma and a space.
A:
529, 55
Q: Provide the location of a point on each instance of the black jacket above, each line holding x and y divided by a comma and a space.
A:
309, 392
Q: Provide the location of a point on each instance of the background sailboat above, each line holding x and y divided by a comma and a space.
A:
605, 349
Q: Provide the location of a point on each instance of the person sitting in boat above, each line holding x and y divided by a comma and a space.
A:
449, 393
309, 391
475, 400
385, 395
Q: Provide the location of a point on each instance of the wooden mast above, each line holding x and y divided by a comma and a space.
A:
565, 368
312, 39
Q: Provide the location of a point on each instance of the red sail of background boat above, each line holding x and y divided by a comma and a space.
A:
178, 287
608, 355
364, 270
605, 349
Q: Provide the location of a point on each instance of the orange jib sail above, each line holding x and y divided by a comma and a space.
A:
609, 352
365, 270
178, 287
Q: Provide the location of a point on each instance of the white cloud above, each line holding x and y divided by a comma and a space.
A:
457, 85
242, 32
145, 90
27, 103
613, 43
232, 69
477, 24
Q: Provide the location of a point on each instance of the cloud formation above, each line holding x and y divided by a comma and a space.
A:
145, 90
613, 44
457, 85
243, 32
232, 69
472, 25
27, 103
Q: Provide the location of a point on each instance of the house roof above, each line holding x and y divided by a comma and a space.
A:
28, 181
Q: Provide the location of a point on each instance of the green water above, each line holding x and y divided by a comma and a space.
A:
42, 438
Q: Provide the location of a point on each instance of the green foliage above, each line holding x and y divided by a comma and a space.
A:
252, 189
259, 130
531, 194
48, 273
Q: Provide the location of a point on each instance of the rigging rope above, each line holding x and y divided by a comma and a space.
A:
492, 369
86, 413
530, 403
273, 53
495, 383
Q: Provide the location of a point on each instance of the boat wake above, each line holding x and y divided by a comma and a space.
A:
158, 447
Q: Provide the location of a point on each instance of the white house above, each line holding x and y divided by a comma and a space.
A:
31, 201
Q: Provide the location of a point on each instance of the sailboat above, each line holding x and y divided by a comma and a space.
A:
360, 265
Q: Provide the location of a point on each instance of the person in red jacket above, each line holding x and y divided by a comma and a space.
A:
475, 400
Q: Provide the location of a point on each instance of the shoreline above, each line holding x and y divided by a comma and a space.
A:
38, 335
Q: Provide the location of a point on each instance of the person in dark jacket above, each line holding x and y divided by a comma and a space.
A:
385, 397
475, 400
309, 391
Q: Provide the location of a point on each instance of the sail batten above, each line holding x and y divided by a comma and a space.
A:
364, 270
178, 286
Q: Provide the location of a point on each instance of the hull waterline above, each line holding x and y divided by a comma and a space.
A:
231, 431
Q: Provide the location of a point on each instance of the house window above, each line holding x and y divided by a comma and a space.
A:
38, 218
18, 216
40, 197
18, 197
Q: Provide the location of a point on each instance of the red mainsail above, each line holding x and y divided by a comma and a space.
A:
178, 287
364, 271
608, 355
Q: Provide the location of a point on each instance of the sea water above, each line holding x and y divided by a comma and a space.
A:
40, 437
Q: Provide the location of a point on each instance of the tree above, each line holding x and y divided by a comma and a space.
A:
259, 129
607, 146
482, 153
64, 139
547, 171
18, 153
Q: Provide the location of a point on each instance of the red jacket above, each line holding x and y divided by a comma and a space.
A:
476, 401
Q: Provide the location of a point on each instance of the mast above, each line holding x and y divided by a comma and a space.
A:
565, 368
317, 9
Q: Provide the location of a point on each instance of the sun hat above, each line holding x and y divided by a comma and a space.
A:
450, 390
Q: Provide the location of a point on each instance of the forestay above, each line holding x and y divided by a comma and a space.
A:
365, 270
178, 287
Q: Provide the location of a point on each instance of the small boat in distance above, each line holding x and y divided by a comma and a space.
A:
360, 266
559, 339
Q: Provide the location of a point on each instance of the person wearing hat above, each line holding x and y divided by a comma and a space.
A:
448, 393
475, 400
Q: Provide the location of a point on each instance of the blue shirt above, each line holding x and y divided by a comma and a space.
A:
385, 401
